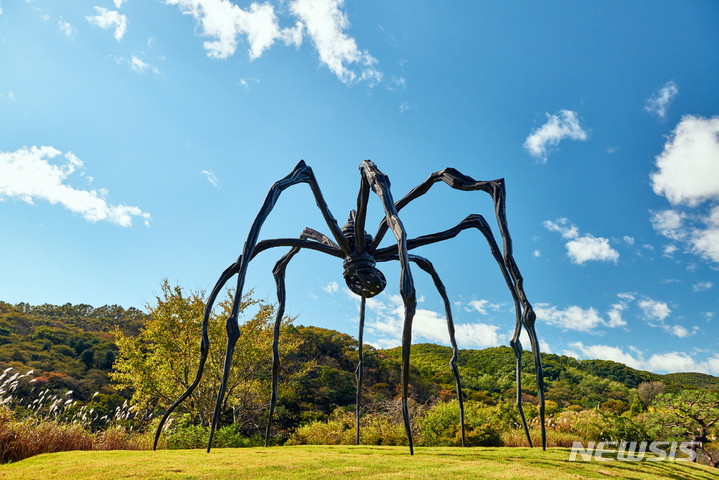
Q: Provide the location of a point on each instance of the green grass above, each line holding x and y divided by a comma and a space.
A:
341, 462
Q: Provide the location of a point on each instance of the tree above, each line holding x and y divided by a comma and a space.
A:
692, 414
648, 391
160, 362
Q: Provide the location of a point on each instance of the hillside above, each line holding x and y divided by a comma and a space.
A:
71, 347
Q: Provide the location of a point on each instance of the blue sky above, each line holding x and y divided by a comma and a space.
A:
139, 138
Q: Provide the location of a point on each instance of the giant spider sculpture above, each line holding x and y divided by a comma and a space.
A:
360, 253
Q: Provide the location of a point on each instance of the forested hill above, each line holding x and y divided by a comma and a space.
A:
432, 360
72, 347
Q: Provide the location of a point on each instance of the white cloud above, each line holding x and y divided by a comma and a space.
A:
615, 315
27, 175
584, 248
11, 96
670, 362
701, 286
669, 223
118, 3
668, 251
606, 352
225, 22
659, 102
66, 28
699, 233
537, 253
558, 127
656, 312
588, 248
705, 241
654, 309
527, 345
325, 23
108, 19
576, 318
211, 177
689, 165
678, 362
688, 175
428, 326
628, 240
331, 287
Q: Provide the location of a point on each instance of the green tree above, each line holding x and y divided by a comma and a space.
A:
689, 414
160, 362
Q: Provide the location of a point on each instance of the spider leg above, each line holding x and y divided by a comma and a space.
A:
478, 222
427, 266
524, 312
381, 186
300, 174
279, 274
204, 348
359, 372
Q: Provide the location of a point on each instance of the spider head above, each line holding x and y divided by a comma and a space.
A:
362, 277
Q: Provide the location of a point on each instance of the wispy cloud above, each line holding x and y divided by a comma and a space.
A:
582, 248
210, 177
66, 28
659, 102
28, 175
331, 287
323, 20
118, 3
702, 286
481, 306
110, 19
325, 23
558, 127
140, 67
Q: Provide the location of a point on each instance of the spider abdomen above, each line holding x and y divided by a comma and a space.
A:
363, 278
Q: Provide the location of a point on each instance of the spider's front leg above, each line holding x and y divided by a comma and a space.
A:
427, 266
204, 347
478, 222
381, 186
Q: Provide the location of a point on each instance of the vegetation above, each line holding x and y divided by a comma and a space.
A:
78, 377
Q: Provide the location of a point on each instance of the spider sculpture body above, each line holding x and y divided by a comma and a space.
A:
360, 253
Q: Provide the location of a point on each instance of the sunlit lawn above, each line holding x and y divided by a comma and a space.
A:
340, 462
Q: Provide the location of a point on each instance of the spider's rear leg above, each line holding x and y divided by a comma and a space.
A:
279, 274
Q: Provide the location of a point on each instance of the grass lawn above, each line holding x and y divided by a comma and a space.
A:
341, 462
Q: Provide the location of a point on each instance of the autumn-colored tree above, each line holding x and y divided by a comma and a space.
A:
160, 362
